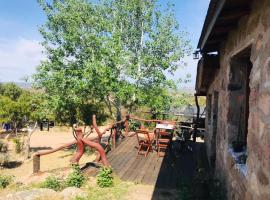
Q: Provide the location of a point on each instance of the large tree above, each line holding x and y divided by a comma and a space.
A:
113, 51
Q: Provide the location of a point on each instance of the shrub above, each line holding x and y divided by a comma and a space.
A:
3, 147
4, 159
52, 182
75, 178
5, 180
18, 145
105, 178
134, 125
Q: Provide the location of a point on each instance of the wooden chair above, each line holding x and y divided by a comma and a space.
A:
145, 141
163, 142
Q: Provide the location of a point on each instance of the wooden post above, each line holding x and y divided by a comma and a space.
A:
197, 118
126, 125
48, 125
36, 164
114, 137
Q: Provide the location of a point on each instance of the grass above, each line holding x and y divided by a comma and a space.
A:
117, 191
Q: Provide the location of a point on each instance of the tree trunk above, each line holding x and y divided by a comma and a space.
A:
108, 103
118, 110
15, 127
48, 125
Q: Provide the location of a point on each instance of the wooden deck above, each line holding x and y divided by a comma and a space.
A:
163, 172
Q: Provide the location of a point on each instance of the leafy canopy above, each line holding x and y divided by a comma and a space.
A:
114, 51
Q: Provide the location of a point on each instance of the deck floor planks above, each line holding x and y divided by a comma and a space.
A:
138, 167
122, 147
133, 169
163, 172
118, 154
127, 165
126, 157
147, 165
149, 174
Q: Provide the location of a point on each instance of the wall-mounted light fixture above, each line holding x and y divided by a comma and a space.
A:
196, 55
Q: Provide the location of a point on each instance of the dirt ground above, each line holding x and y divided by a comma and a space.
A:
43, 141
140, 192
58, 163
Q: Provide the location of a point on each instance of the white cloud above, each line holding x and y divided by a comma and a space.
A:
18, 58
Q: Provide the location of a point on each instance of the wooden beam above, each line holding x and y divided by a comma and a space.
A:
211, 48
233, 14
215, 41
209, 28
223, 29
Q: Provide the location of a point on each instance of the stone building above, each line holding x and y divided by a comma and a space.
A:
234, 74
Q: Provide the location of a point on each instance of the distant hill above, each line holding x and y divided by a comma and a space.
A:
22, 85
189, 90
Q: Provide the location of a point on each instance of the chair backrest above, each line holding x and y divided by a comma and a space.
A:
145, 135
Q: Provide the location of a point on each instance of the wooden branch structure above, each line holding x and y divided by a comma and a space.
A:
81, 141
152, 120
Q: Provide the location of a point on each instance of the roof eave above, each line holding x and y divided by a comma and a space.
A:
208, 25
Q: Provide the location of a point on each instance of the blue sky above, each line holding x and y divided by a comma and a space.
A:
20, 51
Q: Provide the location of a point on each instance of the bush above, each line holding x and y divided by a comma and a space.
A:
4, 159
18, 145
5, 180
105, 178
134, 125
52, 182
3, 147
75, 178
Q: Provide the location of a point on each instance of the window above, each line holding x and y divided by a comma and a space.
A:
239, 92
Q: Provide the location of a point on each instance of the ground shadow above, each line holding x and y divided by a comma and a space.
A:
35, 149
90, 164
177, 170
12, 164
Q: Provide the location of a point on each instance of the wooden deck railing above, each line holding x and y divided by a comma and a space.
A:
94, 142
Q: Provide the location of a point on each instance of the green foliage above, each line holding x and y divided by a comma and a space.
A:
5, 180
53, 182
75, 178
134, 125
117, 191
157, 99
10, 90
110, 52
19, 106
105, 178
18, 145
86, 111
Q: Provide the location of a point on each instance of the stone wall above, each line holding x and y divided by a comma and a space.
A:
253, 31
